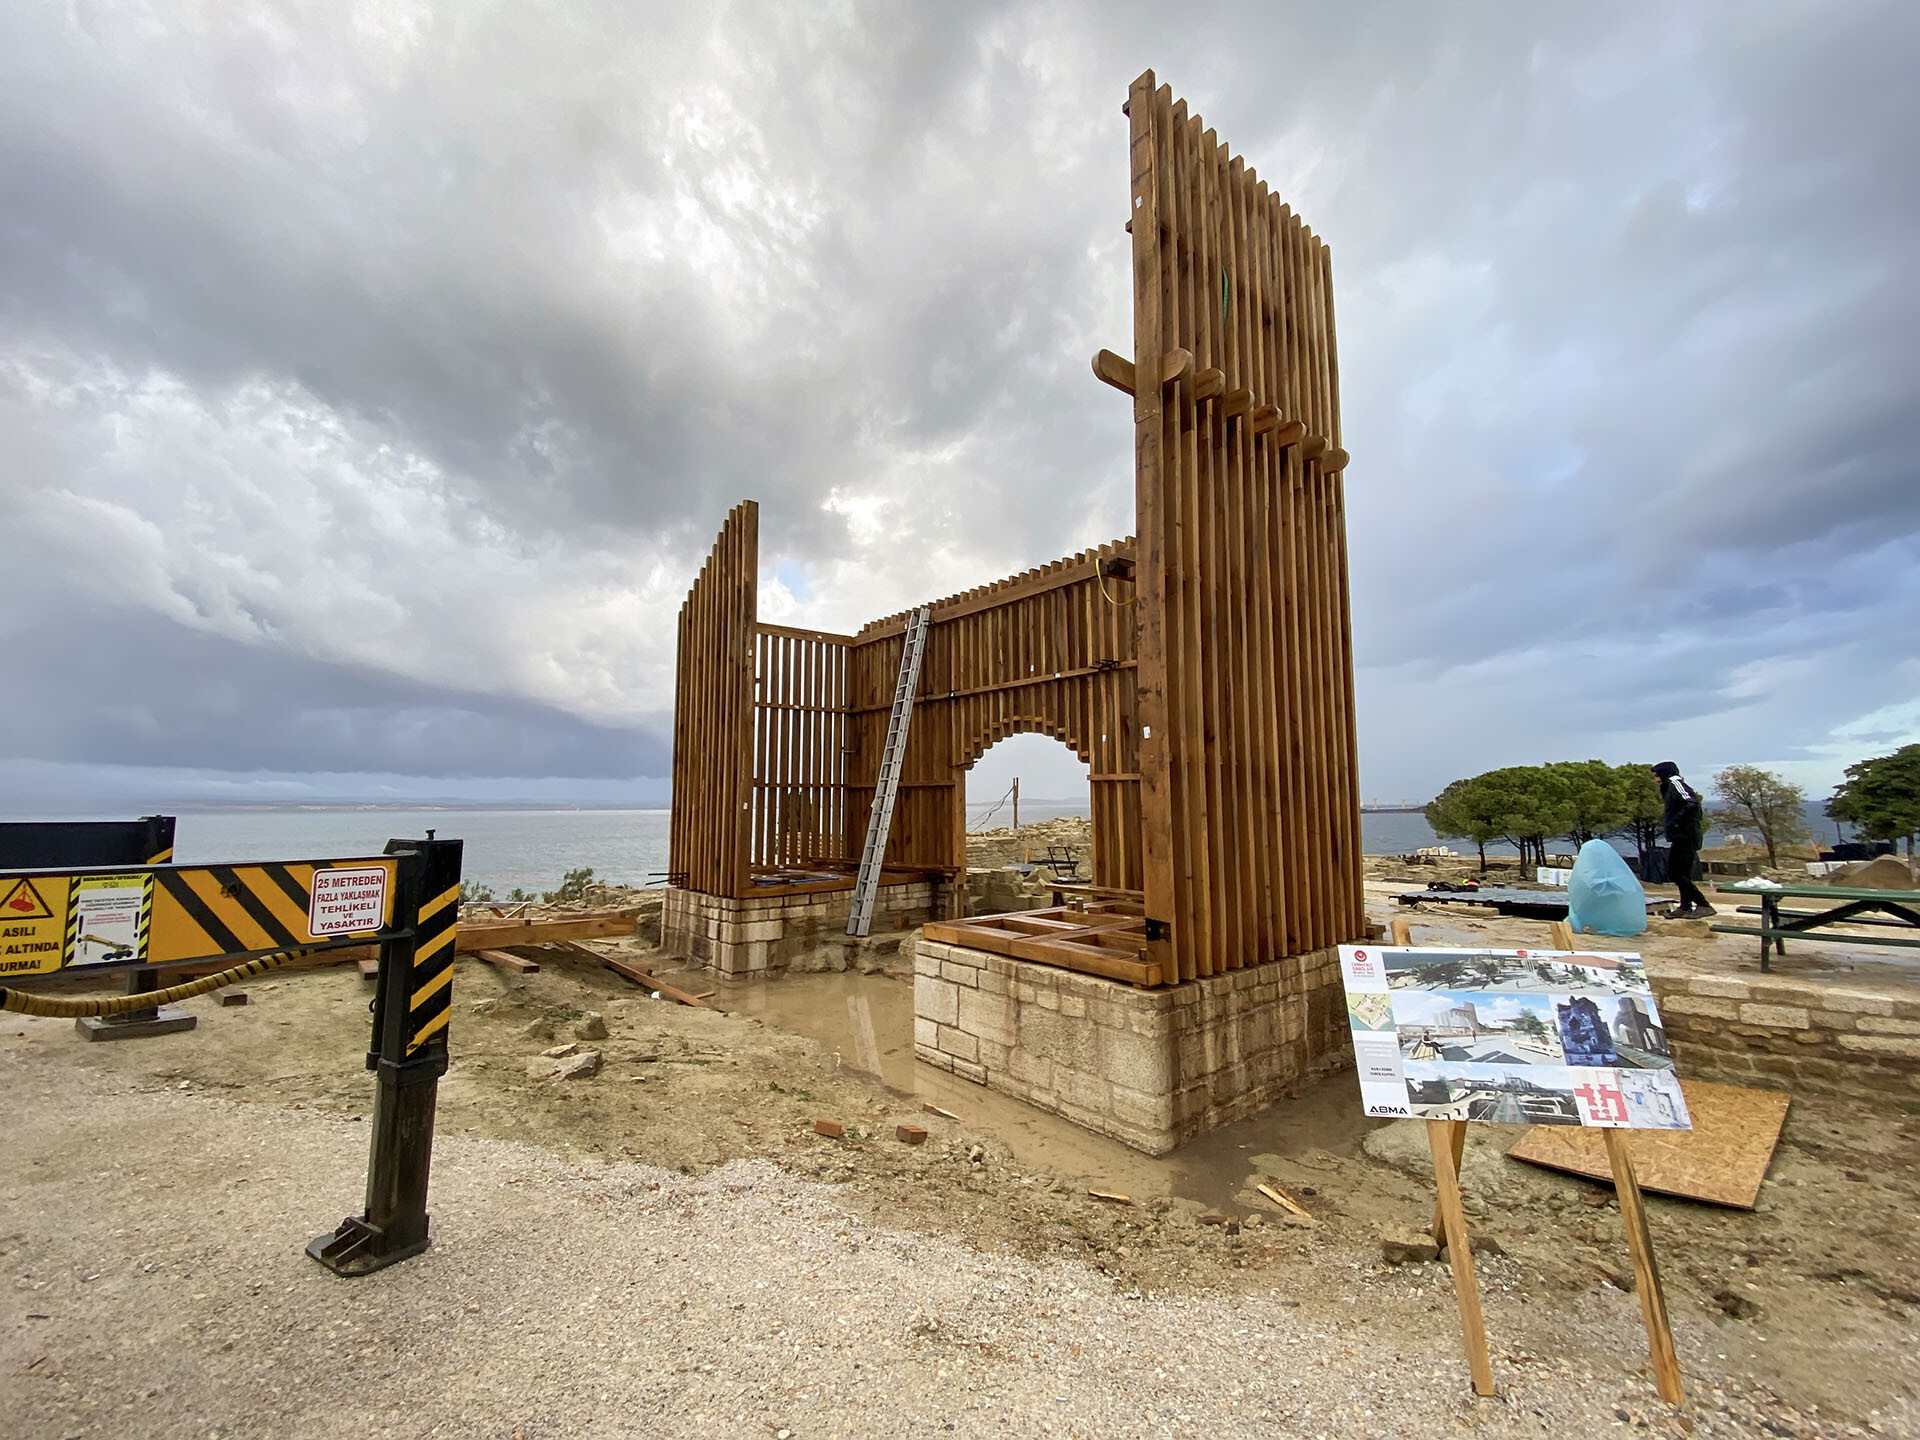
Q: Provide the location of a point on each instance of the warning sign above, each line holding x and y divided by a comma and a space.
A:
32, 915
347, 902
108, 918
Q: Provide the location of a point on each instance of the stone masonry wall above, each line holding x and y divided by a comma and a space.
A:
1151, 1068
764, 935
1791, 1034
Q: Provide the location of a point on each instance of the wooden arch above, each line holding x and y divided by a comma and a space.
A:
1204, 669
1053, 729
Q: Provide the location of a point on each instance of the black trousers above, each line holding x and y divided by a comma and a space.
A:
1681, 862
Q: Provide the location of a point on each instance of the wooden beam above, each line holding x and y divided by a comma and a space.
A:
1646, 1273
501, 934
1313, 447
1466, 1291
1062, 573
761, 627
1264, 418
1334, 461
1292, 432
502, 960
1237, 403
1119, 372
1114, 370
1209, 383
647, 978
1066, 954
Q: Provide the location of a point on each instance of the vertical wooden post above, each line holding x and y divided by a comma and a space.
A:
1442, 1136
1646, 1272
1457, 1142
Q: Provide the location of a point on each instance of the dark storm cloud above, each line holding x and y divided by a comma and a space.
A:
146, 693
408, 355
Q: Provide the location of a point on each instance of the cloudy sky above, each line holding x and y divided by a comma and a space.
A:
373, 373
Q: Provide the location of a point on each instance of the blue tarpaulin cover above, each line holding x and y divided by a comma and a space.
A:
1603, 897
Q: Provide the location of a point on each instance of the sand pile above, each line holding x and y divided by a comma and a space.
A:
1886, 872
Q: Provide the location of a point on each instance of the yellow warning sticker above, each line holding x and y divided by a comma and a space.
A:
108, 918
33, 912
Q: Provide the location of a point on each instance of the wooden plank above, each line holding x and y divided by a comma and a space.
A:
1010, 591
826, 637
501, 934
1646, 1272
1457, 1139
639, 976
866, 1049
502, 960
1068, 955
1285, 1202
1150, 561
1466, 1290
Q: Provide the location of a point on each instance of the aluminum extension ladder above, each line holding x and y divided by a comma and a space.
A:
887, 783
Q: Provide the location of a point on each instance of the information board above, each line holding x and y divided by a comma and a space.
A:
1521, 1037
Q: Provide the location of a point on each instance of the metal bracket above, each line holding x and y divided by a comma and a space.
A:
357, 1248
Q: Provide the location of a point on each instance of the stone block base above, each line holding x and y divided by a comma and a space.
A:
1785, 1034
765, 935
1151, 1068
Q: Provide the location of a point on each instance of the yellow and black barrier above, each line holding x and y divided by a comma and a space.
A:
145, 918
54, 844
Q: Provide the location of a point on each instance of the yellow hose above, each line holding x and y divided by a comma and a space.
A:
21, 1003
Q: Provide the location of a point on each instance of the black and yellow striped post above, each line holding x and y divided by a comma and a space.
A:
412, 1004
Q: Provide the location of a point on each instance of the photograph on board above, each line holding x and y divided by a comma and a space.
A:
1370, 1012
1477, 1027
1618, 1032
1502, 1094
1530, 972
1654, 1100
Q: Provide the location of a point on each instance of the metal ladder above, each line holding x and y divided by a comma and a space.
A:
887, 783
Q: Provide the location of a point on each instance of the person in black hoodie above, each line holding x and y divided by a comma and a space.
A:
1682, 824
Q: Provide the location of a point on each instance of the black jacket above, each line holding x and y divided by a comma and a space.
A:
1681, 818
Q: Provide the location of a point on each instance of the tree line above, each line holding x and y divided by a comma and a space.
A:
1582, 800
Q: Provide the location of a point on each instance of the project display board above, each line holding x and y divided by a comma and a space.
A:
1519, 1037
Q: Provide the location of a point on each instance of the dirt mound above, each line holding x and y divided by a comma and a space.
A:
1883, 873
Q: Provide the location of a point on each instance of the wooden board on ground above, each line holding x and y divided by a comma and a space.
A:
1722, 1160
629, 971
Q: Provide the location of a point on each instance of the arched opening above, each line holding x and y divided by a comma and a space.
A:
1029, 822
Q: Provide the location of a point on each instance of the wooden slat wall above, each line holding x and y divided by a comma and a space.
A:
1047, 651
713, 714
1249, 792
1211, 693
800, 739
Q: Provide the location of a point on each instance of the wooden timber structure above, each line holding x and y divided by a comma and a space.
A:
1202, 669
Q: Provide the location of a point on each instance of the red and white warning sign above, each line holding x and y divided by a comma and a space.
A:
347, 901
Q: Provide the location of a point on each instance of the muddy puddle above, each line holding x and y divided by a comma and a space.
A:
837, 1009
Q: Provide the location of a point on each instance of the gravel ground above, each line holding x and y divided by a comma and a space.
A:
151, 1239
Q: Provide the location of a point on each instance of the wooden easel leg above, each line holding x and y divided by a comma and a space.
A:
1646, 1274
1466, 1291
1458, 1140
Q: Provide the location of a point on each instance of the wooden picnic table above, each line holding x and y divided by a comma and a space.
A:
1892, 909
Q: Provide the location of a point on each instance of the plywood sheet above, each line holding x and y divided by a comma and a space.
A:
1722, 1159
